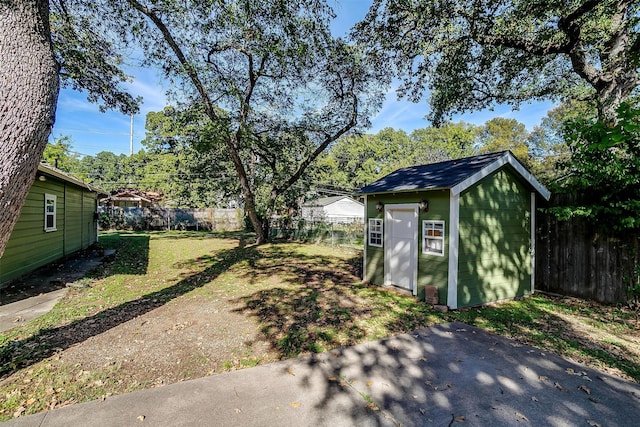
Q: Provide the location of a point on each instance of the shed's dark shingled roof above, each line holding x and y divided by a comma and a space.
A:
435, 175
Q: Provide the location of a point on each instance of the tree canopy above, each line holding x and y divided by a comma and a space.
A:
268, 74
604, 171
89, 58
469, 54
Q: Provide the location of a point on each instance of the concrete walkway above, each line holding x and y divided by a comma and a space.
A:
18, 312
37, 293
448, 375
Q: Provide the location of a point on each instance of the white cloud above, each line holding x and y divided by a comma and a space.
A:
148, 85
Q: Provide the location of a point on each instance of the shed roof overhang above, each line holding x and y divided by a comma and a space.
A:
507, 159
45, 169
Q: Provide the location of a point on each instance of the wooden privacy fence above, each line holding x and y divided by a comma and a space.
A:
212, 219
573, 258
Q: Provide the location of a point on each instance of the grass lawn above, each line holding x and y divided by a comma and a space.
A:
172, 306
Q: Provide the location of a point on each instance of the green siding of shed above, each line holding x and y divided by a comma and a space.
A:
88, 224
30, 247
432, 269
495, 239
374, 267
73, 220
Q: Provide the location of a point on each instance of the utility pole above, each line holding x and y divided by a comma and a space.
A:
131, 137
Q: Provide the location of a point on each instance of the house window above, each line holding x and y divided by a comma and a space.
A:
375, 232
433, 237
49, 212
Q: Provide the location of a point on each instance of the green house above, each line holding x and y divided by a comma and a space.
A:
463, 229
57, 219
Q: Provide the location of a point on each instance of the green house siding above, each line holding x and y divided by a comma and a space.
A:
495, 239
432, 269
73, 220
89, 226
30, 246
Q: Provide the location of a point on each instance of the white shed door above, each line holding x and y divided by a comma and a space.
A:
400, 253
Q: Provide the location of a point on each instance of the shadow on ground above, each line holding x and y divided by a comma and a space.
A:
16, 355
322, 303
454, 373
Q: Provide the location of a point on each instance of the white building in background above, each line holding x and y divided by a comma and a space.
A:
336, 209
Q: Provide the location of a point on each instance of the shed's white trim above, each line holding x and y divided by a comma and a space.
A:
533, 241
507, 158
454, 234
366, 241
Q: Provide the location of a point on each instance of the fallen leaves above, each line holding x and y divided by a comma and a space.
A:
521, 416
584, 388
295, 404
373, 406
19, 411
583, 374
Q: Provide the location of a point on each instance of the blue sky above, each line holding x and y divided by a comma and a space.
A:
92, 131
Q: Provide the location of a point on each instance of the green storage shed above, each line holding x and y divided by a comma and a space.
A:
58, 218
463, 228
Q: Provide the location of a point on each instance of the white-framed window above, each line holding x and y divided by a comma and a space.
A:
433, 237
375, 232
50, 212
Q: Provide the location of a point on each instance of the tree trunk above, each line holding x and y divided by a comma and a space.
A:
256, 221
612, 93
28, 94
249, 198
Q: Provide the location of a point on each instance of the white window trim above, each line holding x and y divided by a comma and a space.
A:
425, 250
47, 198
375, 222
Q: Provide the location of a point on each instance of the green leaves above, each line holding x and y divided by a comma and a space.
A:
89, 59
468, 55
605, 171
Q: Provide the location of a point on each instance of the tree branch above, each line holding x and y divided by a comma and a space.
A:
329, 138
577, 54
616, 45
567, 23
193, 75
528, 46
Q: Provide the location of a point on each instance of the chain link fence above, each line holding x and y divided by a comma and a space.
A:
341, 233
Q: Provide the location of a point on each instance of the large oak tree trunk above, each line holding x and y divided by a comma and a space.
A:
28, 94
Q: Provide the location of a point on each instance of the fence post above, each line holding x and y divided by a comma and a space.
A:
332, 240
